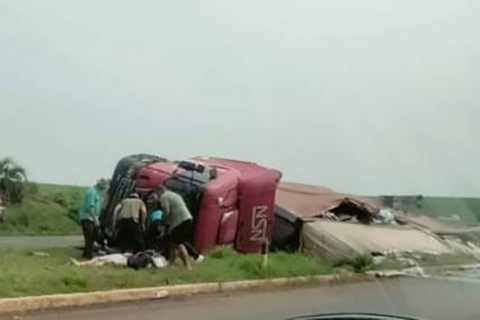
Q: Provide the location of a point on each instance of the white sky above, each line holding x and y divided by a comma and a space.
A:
369, 97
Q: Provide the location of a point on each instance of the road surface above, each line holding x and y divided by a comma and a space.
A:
428, 298
40, 241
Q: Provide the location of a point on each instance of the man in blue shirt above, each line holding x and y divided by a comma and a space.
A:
156, 229
89, 214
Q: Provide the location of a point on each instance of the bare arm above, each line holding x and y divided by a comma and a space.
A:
143, 215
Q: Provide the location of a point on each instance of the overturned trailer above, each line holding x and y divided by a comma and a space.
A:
231, 201
296, 204
338, 227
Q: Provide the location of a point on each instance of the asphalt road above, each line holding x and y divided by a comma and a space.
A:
427, 298
40, 241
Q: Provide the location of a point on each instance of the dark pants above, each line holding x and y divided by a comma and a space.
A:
155, 235
182, 234
130, 236
90, 234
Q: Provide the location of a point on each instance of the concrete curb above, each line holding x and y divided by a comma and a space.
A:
12, 305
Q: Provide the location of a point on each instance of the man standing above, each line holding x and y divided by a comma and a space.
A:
156, 230
130, 215
180, 223
89, 213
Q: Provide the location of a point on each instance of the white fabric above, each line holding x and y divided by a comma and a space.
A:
159, 262
116, 259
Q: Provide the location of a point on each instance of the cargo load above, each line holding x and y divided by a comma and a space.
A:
337, 241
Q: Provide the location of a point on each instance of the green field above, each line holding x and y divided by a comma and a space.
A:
25, 273
468, 209
46, 210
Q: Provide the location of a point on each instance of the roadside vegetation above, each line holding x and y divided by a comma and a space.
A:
467, 209
28, 208
30, 272
45, 209
13, 178
24, 272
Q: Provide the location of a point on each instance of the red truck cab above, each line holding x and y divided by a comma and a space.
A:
231, 201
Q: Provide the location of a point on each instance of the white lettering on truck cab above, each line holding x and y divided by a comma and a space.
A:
259, 223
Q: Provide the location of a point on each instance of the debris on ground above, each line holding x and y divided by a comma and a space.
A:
147, 259
41, 254
470, 267
414, 272
408, 272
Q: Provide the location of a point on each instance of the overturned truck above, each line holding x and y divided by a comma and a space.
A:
231, 201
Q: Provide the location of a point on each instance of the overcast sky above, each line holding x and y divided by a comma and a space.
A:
368, 97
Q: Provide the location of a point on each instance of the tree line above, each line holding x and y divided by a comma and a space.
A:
13, 180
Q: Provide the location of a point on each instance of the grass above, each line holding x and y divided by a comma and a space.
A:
446, 260
467, 209
46, 210
28, 272
23, 273
360, 263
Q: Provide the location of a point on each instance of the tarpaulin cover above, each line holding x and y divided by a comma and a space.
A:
341, 240
307, 201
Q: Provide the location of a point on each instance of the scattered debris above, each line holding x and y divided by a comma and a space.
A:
146, 259
470, 267
41, 254
159, 262
409, 272
385, 216
414, 272
463, 245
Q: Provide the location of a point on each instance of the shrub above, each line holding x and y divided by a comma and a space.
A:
360, 263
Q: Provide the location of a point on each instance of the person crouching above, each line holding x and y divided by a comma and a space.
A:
180, 222
131, 214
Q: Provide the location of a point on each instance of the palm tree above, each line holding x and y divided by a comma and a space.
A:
12, 181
